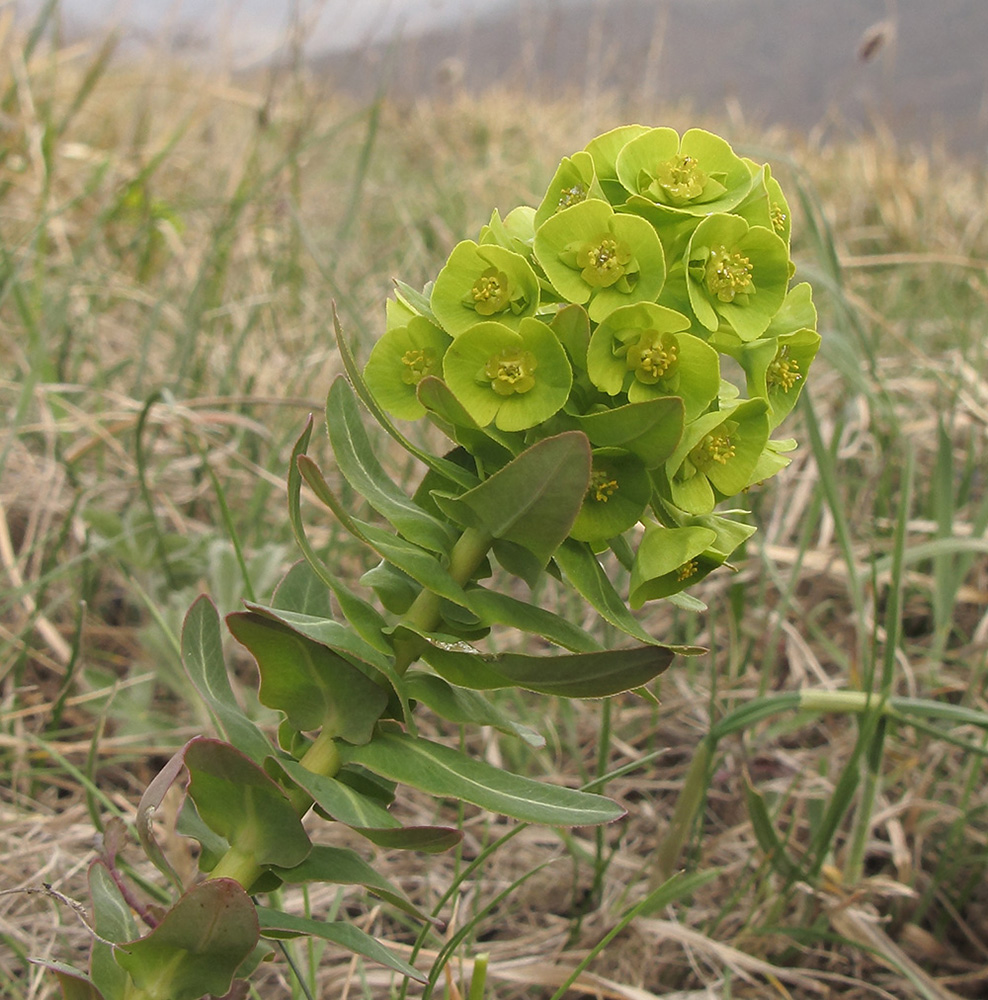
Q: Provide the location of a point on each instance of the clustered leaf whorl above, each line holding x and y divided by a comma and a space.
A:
607, 309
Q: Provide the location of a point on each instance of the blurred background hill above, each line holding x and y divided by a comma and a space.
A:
912, 67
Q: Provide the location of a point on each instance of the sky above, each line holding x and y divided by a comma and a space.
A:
250, 31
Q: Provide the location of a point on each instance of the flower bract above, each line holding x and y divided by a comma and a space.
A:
695, 175
400, 360
716, 456
736, 275
483, 281
645, 351
776, 369
668, 560
592, 255
574, 181
513, 378
617, 497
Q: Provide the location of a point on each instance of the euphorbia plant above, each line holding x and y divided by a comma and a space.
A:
572, 356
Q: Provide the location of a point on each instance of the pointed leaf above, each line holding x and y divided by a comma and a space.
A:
198, 946
579, 675
534, 499
457, 704
202, 655
447, 773
495, 608
74, 983
276, 924
345, 867
427, 839
113, 921
421, 565
237, 800
152, 798
364, 617
314, 686
303, 592
355, 457
340, 639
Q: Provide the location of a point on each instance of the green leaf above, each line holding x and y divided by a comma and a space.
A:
447, 773
338, 637
650, 429
416, 301
153, 796
275, 924
585, 573
364, 617
345, 867
455, 704
339, 800
421, 565
534, 499
577, 675
237, 800
367, 816
427, 839
313, 685
74, 983
198, 946
485, 446
202, 655
355, 457
113, 921
301, 591
496, 608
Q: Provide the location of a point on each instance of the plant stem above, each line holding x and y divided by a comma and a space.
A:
239, 865
424, 613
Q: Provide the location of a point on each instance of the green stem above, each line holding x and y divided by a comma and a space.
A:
239, 865
322, 757
424, 614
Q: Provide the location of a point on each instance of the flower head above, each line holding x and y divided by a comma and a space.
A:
695, 175
400, 360
590, 254
716, 456
617, 497
645, 351
736, 275
513, 378
483, 281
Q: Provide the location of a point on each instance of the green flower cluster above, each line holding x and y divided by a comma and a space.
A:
609, 308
